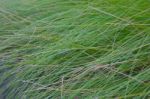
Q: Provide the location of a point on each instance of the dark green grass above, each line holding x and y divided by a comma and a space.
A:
75, 49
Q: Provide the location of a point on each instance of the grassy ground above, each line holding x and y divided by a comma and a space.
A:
74, 49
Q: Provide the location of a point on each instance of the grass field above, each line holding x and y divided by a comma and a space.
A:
74, 49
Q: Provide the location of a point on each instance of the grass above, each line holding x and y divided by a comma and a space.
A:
75, 49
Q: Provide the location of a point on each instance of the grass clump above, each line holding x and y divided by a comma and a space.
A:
82, 49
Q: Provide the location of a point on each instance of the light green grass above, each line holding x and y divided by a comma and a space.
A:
75, 49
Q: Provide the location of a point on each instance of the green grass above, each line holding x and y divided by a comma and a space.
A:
75, 49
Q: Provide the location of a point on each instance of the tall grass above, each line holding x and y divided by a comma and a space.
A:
75, 49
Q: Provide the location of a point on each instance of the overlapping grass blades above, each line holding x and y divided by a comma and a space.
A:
84, 49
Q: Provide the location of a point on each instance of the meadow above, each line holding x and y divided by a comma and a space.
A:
74, 49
